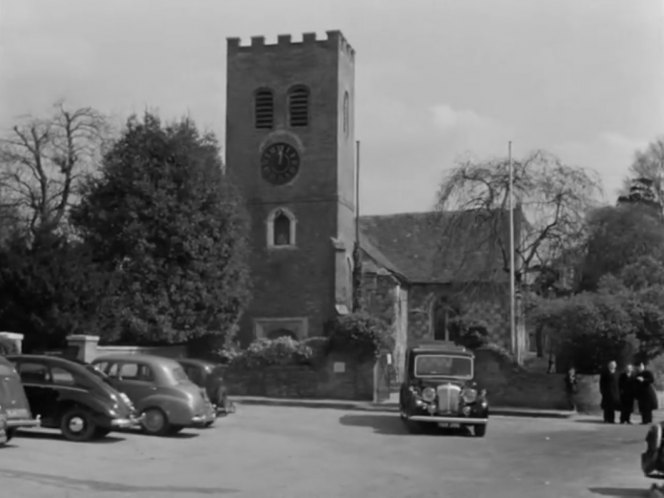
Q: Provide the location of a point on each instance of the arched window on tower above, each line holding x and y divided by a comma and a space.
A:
298, 106
281, 228
264, 108
346, 114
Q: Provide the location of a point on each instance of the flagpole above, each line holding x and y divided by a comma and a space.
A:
513, 334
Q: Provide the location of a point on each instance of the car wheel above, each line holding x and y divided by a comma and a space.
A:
480, 430
76, 424
155, 422
10, 434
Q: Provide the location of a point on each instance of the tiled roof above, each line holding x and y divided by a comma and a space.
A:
435, 247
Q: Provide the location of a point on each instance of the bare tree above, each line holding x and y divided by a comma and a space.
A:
42, 161
553, 198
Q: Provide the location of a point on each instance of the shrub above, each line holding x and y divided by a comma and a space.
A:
320, 348
359, 335
269, 352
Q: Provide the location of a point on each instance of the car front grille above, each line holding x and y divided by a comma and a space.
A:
448, 398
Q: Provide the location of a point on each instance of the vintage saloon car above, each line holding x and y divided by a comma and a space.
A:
439, 388
14, 407
209, 376
68, 397
160, 390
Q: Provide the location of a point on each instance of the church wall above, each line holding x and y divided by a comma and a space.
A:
488, 302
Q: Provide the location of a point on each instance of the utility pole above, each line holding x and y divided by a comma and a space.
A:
357, 257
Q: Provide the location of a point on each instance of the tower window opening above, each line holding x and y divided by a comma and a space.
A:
298, 106
264, 109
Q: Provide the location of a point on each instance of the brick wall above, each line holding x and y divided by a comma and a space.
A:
515, 387
488, 303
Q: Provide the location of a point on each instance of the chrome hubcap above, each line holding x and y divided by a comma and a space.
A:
153, 420
76, 424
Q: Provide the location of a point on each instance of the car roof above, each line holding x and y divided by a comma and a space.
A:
52, 360
196, 362
441, 347
145, 358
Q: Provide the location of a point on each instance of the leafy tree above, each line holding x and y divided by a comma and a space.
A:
359, 334
50, 290
162, 215
553, 196
648, 165
618, 236
42, 161
589, 329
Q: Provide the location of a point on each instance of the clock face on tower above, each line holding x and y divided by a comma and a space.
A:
280, 163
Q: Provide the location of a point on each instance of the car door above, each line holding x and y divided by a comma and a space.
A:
41, 393
133, 378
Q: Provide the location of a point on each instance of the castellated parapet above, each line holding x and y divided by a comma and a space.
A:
334, 37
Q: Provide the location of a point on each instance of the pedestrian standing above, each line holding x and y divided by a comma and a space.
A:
626, 385
646, 396
608, 388
571, 387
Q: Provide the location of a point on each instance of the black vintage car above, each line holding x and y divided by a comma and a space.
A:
14, 407
209, 376
67, 396
439, 388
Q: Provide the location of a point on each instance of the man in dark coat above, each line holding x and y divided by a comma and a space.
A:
626, 385
645, 393
608, 388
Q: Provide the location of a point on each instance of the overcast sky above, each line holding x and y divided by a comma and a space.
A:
435, 79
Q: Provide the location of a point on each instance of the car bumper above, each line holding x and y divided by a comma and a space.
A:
448, 420
15, 423
126, 423
202, 420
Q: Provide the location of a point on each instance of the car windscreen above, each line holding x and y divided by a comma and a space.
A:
439, 365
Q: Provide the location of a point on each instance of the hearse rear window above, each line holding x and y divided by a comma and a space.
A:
443, 366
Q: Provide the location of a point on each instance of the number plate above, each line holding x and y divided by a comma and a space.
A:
447, 425
17, 413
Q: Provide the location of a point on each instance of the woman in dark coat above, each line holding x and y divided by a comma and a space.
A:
608, 388
645, 393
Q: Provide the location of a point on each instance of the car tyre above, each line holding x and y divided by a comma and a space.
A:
76, 424
10, 434
480, 430
155, 422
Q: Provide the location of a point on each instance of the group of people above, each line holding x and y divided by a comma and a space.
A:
621, 391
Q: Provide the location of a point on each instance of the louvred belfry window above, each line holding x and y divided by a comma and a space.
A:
264, 109
298, 106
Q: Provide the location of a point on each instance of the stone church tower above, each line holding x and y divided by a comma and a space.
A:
290, 149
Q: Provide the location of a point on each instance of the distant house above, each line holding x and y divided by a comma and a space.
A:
420, 270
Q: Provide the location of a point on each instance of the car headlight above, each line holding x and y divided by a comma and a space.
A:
469, 395
428, 394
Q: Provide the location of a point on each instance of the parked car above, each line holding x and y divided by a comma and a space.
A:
209, 376
439, 388
161, 391
15, 410
68, 397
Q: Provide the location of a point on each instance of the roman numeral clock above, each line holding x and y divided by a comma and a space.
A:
280, 163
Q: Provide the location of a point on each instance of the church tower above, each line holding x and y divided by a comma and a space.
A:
290, 149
